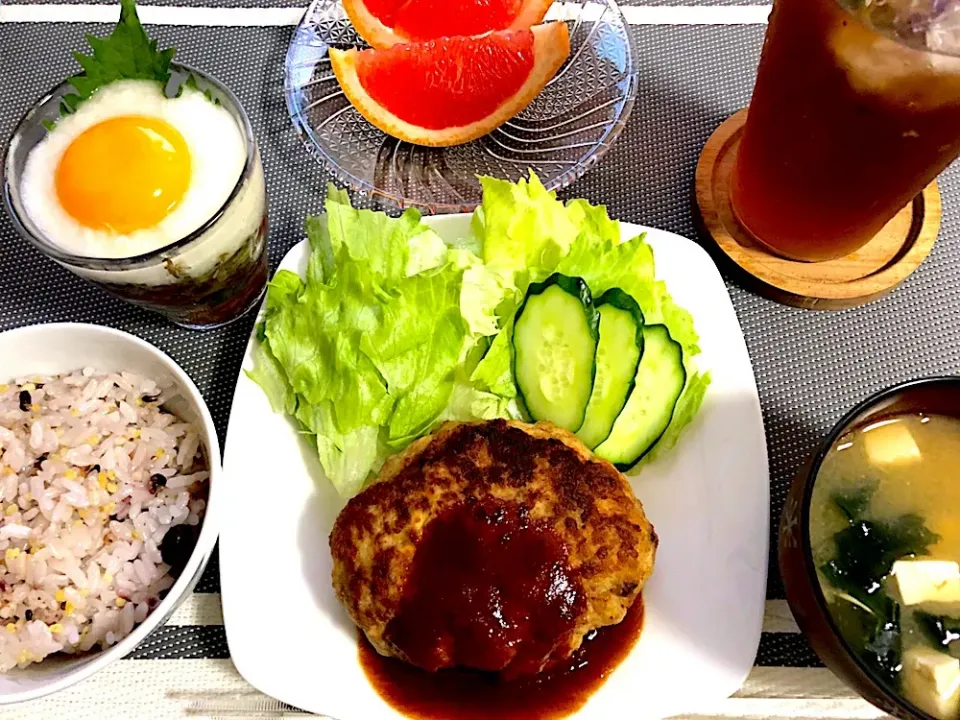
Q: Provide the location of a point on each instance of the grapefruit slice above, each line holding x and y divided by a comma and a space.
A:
384, 23
451, 90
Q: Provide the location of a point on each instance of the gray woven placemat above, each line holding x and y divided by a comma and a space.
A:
810, 366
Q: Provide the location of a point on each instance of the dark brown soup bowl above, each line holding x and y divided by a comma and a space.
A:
938, 395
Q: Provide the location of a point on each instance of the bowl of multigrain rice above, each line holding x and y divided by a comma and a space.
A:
108, 460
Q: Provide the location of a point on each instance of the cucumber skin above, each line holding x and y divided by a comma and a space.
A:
622, 301
626, 466
577, 287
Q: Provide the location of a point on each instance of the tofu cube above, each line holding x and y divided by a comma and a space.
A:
931, 681
890, 443
922, 581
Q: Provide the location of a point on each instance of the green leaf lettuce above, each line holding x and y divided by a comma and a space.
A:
367, 351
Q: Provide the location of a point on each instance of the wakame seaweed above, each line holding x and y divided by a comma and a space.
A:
874, 634
854, 503
867, 549
942, 631
865, 552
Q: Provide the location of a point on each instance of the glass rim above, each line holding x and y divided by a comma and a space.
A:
851, 7
844, 424
90, 262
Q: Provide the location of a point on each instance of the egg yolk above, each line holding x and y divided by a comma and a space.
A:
124, 174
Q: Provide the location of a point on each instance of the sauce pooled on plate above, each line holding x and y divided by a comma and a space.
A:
473, 695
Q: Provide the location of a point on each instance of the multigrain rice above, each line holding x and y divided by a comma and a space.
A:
93, 473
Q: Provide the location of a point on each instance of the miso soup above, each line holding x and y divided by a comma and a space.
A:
885, 535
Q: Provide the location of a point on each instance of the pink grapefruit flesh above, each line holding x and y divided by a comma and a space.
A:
384, 23
460, 97
451, 90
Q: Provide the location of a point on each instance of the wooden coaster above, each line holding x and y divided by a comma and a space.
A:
869, 273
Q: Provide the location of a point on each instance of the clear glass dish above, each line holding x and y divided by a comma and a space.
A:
559, 136
205, 280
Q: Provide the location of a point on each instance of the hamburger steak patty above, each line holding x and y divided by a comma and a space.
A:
495, 545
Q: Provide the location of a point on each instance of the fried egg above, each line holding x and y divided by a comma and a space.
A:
132, 170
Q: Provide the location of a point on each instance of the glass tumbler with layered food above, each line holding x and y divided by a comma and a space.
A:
144, 178
856, 109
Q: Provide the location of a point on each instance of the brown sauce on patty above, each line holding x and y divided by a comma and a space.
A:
488, 589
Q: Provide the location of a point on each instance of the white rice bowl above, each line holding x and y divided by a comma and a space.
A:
95, 471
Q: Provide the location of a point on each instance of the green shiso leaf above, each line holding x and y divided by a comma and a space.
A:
126, 54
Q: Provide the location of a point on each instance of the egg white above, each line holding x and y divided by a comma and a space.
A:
217, 155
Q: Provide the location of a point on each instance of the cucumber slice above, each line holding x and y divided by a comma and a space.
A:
554, 345
659, 382
618, 355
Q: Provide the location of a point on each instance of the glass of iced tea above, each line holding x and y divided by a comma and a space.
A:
856, 109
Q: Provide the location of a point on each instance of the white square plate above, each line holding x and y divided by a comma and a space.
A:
708, 499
